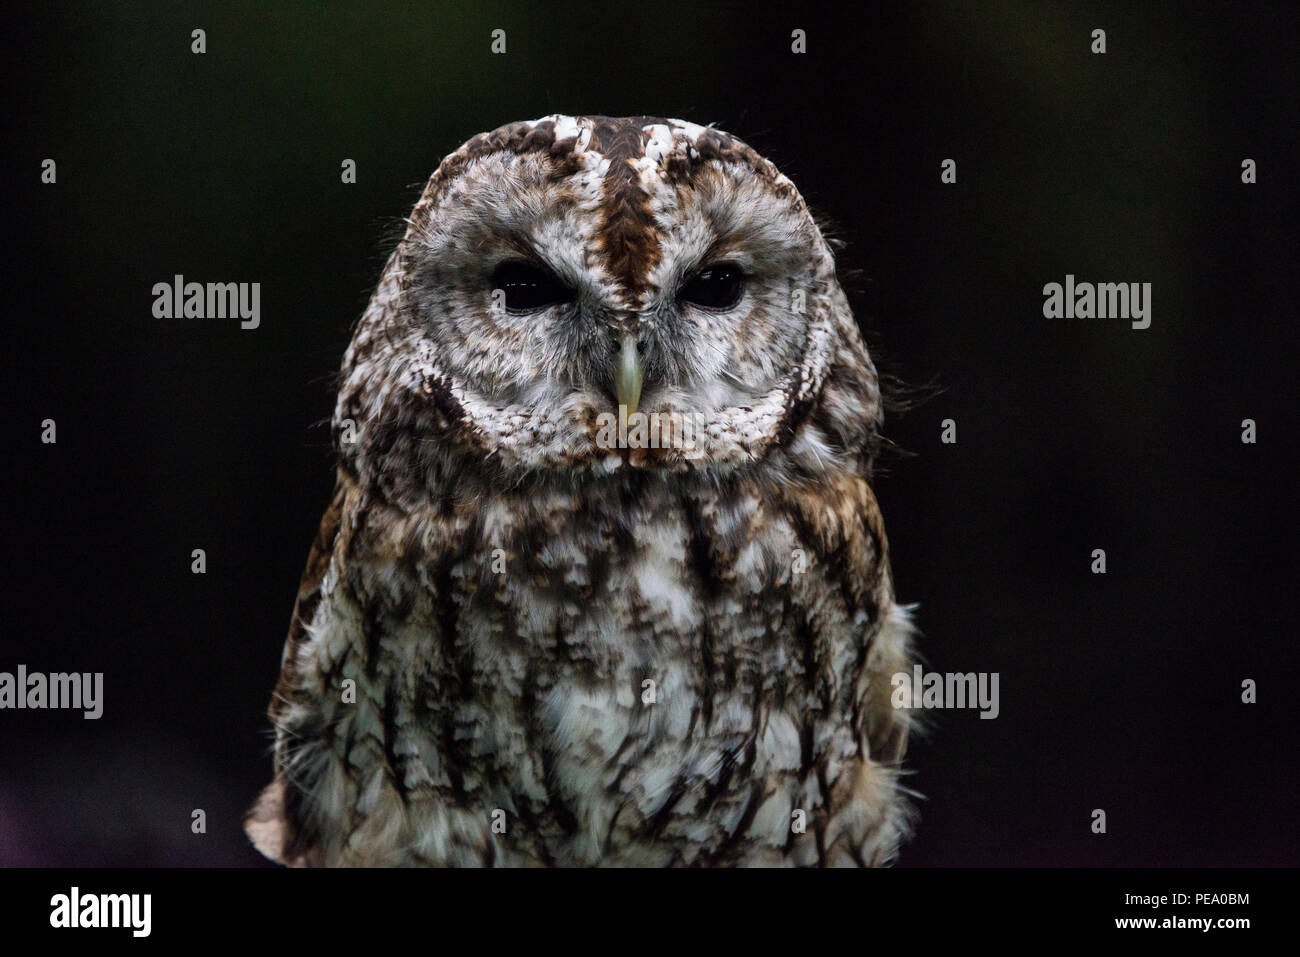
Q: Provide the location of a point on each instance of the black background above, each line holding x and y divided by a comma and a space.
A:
1119, 692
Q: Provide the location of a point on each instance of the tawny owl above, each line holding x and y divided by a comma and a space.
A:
526, 636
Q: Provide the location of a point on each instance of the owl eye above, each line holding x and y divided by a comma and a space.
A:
714, 287
529, 287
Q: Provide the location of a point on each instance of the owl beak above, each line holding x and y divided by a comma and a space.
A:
628, 376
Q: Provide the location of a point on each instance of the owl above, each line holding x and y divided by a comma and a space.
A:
603, 580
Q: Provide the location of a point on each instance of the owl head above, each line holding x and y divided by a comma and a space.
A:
563, 282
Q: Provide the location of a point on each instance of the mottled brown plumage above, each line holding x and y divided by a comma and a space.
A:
517, 645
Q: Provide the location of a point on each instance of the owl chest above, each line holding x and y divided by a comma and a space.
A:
601, 678
609, 670
629, 602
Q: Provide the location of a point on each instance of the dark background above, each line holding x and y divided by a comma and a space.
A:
1119, 692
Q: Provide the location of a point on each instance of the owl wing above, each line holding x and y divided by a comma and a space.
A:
887, 726
890, 648
841, 522
273, 824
